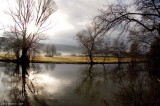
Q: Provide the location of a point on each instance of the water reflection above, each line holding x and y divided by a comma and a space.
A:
134, 85
131, 85
25, 83
91, 79
137, 87
80, 85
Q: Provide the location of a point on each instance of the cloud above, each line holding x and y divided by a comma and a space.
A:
71, 17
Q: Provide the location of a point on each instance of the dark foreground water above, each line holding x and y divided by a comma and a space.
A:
80, 85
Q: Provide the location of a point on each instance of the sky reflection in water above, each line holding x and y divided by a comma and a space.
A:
80, 85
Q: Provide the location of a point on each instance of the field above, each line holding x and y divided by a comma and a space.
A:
76, 59
68, 59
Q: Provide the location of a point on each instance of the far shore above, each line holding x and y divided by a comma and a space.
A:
73, 60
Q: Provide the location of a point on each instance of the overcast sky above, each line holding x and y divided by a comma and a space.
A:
71, 17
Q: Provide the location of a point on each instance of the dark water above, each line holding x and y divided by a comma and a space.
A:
80, 85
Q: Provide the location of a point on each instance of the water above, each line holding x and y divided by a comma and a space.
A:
79, 85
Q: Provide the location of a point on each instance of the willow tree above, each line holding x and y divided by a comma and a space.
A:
30, 19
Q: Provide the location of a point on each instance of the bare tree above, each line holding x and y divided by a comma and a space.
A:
105, 48
144, 19
50, 50
119, 50
121, 15
47, 50
35, 51
53, 50
30, 21
134, 51
90, 39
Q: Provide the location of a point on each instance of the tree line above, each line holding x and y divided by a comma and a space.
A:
11, 50
140, 24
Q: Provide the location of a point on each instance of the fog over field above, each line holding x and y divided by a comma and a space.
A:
66, 49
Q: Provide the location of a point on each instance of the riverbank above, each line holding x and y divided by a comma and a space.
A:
71, 59
74, 59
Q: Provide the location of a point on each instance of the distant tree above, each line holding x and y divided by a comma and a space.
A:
134, 51
53, 50
35, 51
58, 54
90, 40
47, 50
11, 46
30, 17
50, 50
119, 50
105, 49
73, 54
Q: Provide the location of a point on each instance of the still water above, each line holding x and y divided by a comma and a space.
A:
79, 85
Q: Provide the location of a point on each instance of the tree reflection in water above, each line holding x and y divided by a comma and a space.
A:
22, 79
130, 80
110, 84
136, 86
92, 76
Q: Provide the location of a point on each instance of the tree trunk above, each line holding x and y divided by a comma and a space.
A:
17, 55
24, 58
91, 59
119, 61
52, 54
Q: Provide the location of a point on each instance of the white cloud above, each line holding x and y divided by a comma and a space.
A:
74, 15
71, 17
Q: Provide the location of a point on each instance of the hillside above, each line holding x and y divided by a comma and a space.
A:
60, 48
65, 49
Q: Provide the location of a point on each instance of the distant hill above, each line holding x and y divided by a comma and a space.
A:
60, 48
65, 49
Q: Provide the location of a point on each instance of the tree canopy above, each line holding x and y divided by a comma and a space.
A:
30, 22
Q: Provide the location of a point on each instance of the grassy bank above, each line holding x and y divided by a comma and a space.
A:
76, 59
69, 59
